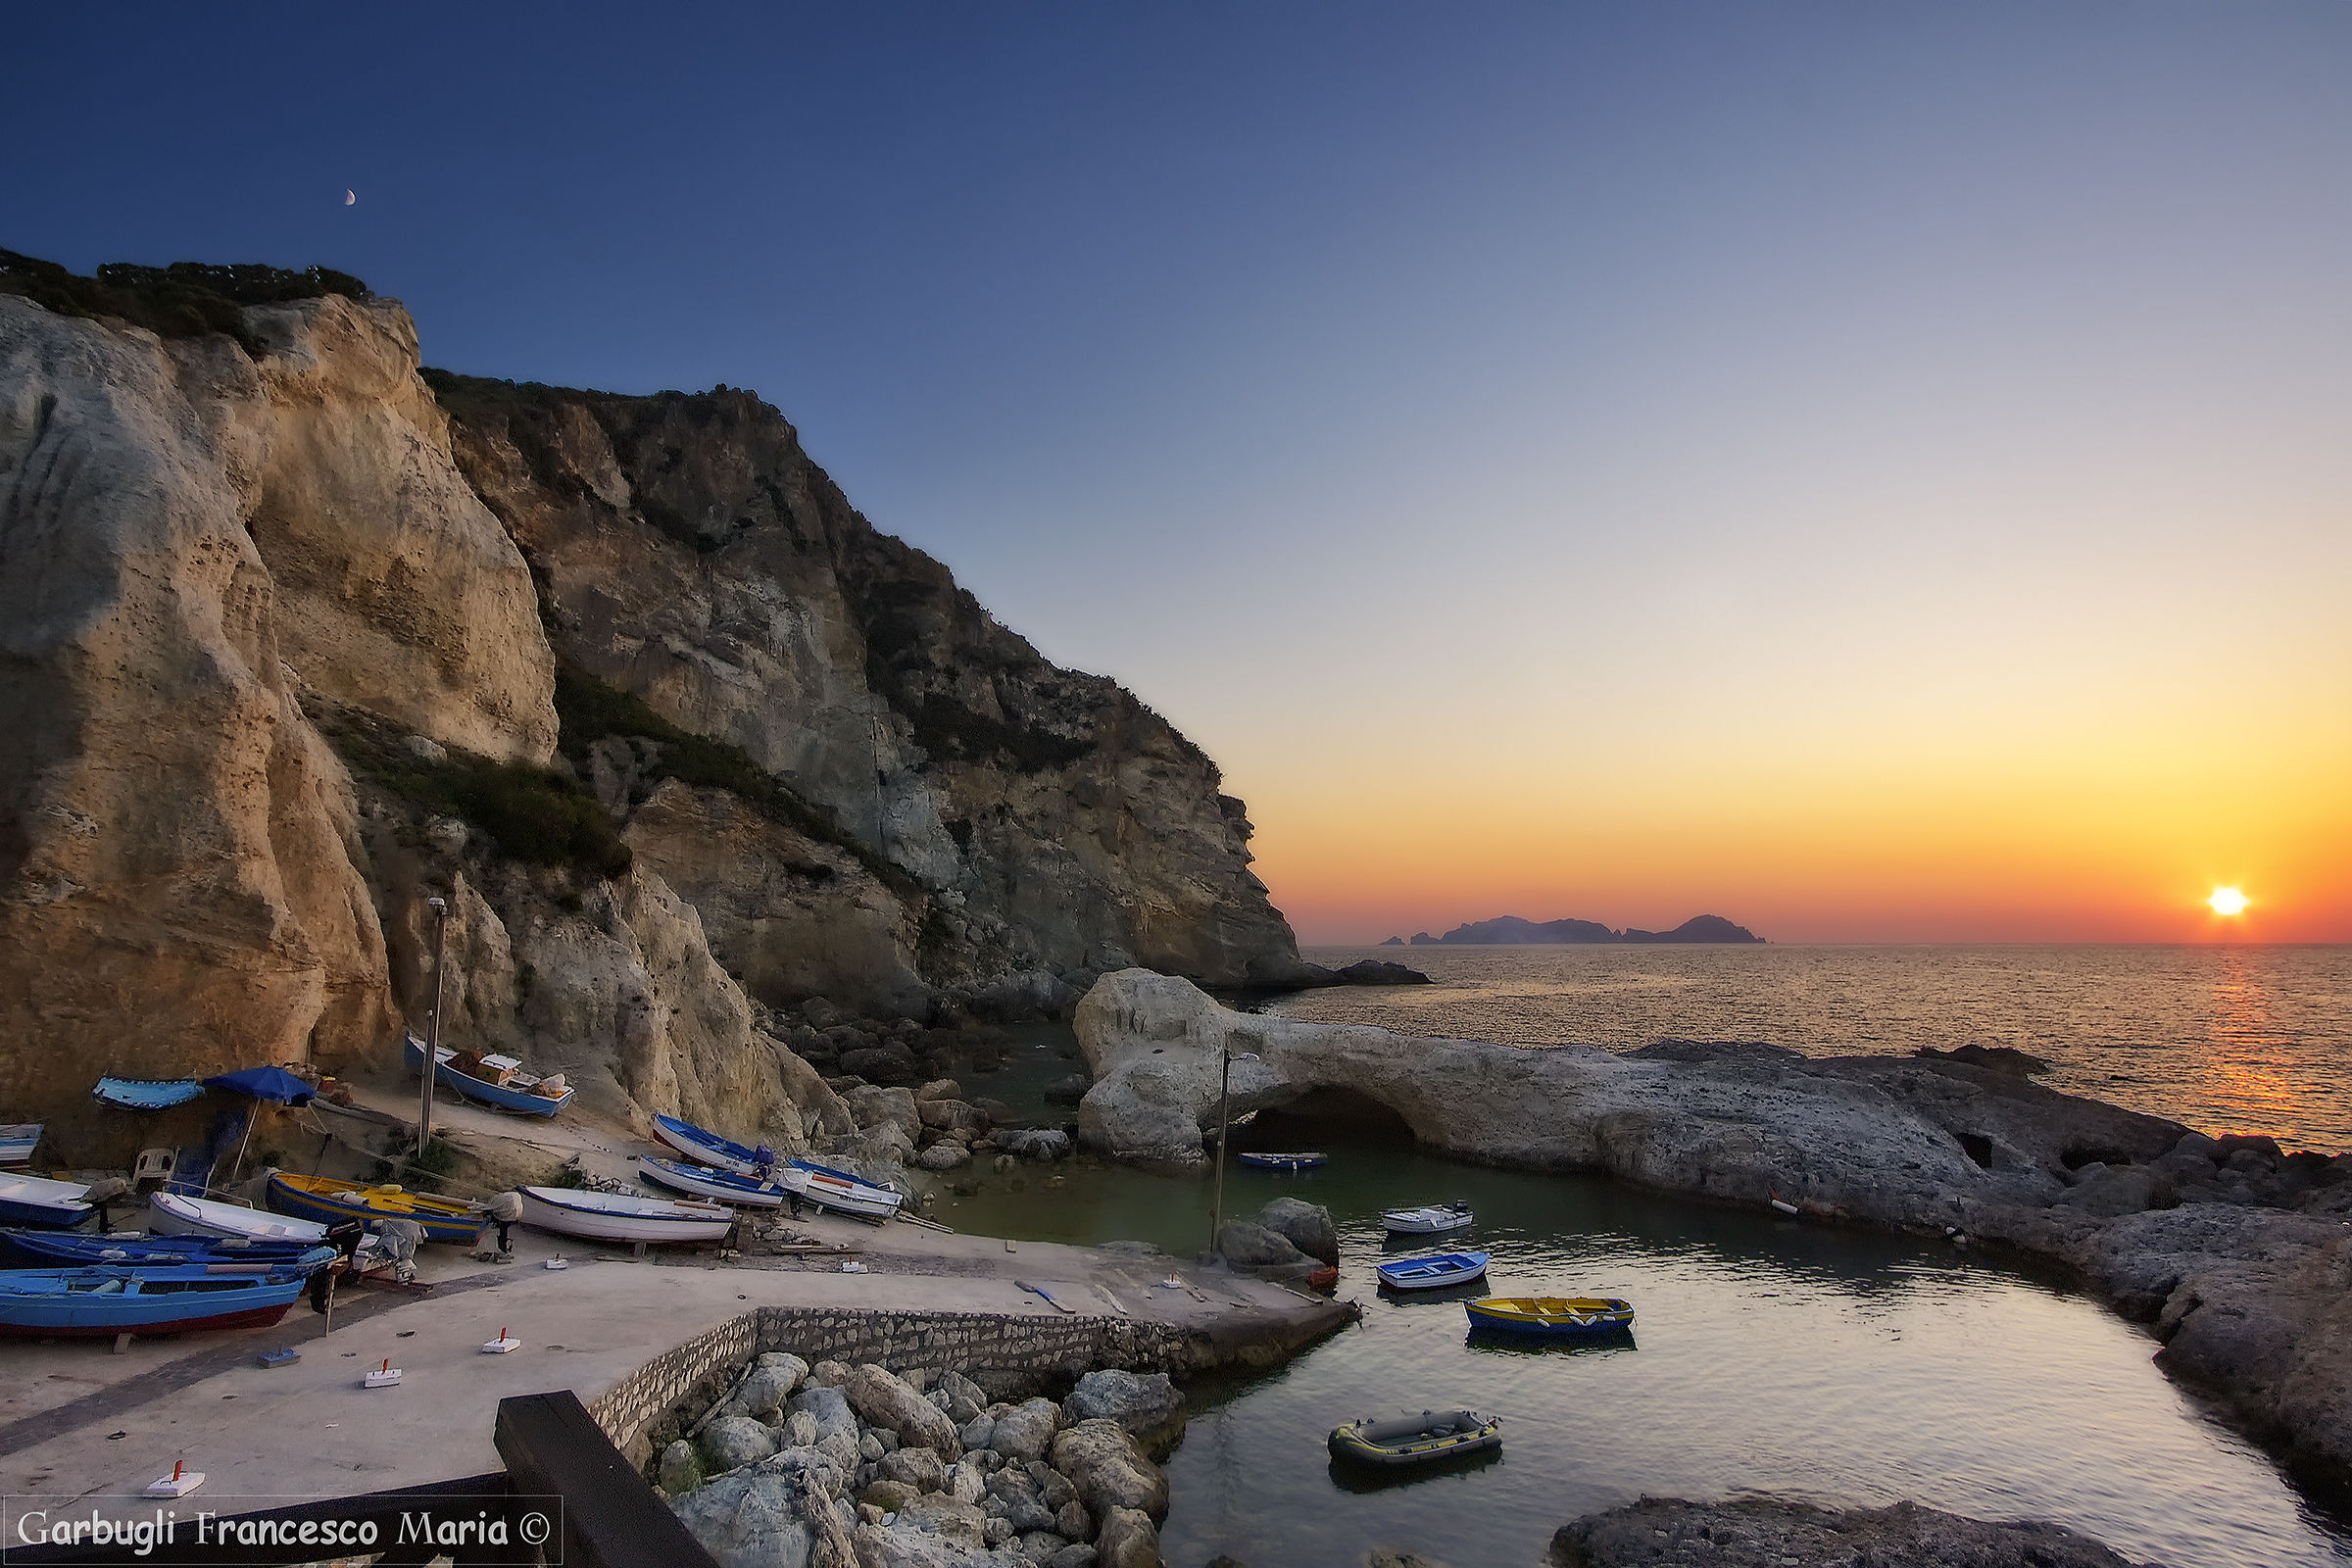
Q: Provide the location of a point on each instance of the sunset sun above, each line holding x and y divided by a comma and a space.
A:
2228, 901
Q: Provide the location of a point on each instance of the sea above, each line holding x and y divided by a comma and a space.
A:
2223, 1038
1834, 1365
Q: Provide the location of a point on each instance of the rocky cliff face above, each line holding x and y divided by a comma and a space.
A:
272, 668
1048, 823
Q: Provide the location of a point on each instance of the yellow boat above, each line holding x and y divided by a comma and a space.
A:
1552, 1316
329, 1199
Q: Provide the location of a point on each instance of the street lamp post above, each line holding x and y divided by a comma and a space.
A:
1216, 1211
432, 1030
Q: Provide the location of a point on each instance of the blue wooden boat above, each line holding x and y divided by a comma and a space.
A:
44, 1204
498, 1081
146, 1094
153, 1299
1552, 1317
719, 1186
18, 1141
30, 1248
707, 1147
1290, 1162
1434, 1271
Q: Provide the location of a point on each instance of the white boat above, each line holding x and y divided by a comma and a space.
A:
178, 1214
839, 1190
719, 1186
1425, 1221
19, 1141
42, 1203
622, 1217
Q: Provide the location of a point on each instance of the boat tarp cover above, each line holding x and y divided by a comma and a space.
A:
146, 1094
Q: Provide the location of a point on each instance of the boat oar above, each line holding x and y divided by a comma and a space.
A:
1042, 1291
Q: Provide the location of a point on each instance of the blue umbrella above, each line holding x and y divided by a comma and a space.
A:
265, 1083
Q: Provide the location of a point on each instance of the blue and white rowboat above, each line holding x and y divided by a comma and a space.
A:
77, 1249
719, 1186
519, 1092
1433, 1272
18, 1141
178, 1214
707, 1147
622, 1217
44, 1204
167, 1299
841, 1192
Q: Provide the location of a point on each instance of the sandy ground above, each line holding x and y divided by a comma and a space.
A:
79, 1420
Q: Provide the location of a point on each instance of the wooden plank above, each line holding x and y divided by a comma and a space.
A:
611, 1519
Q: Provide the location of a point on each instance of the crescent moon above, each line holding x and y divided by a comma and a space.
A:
349, 198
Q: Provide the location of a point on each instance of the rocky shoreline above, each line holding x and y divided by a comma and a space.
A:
2237, 1254
833, 1465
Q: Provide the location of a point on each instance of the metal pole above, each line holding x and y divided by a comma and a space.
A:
1216, 1213
432, 1031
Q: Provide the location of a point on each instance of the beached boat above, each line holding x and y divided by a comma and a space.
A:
18, 1141
1552, 1317
167, 1299
1409, 1440
707, 1147
1425, 1221
719, 1186
178, 1214
327, 1201
30, 1249
42, 1203
1289, 1161
1433, 1272
840, 1192
622, 1216
498, 1081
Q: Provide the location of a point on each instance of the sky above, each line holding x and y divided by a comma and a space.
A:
1877, 473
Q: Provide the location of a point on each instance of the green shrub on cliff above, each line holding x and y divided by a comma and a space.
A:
185, 299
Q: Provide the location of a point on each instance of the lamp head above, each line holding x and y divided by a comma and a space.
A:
437, 906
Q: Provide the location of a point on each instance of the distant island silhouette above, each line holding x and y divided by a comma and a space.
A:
1511, 930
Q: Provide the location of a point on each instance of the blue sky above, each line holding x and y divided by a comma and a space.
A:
1557, 456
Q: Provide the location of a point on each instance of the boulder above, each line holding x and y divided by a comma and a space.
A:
966, 1481
798, 1430
1072, 1520
890, 1495
769, 1383
966, 1400
766, 1519
945, 1154
1078, 1554
885, 1400
1304, 1225
1035, 1142
952, 1116
892, 1063
980, 1431
1040, 1545
951, 1518
1148, 1405
1011, 1491
1247, 1246
920, 1468
827, 1406
1069, 1091
680, 1470
873, 1106
1766, 1533
1108, 1469
939, 1089
734, 1441
1027, 1430
1128, 1541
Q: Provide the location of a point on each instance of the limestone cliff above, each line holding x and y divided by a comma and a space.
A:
272, 668
689, 552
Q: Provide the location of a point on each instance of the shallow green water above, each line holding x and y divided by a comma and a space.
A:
1838, 1365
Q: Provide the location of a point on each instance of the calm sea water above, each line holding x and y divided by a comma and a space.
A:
2227, 1039
1831, 1364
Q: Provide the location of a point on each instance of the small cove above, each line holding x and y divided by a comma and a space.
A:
1841, 1366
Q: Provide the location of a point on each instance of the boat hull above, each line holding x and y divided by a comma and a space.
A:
1552, 1318
1430, 1221
175, 1214
607, 1217
1441, 1272
43, 1204
704, 1147
719, 1187
443, 1220
17, 1142
1410, 1442
840, 1192
47, 1249
40, 1304
518, 1101
1289, 1162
